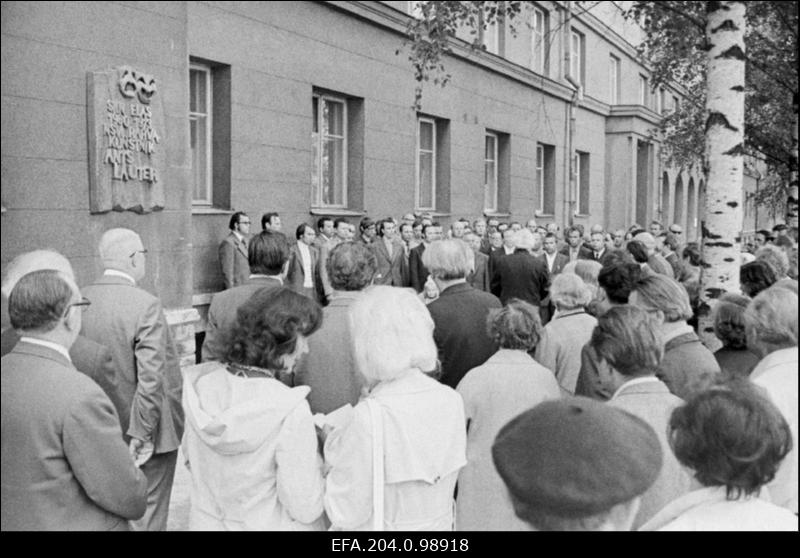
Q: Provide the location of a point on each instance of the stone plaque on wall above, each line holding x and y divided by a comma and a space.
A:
127, 160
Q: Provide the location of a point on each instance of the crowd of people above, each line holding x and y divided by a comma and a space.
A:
397, 376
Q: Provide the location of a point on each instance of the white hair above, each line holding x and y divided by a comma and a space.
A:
568, 291
35, 260
117, 244
647, 239
392, 334
524, 239
772, 317
449, 259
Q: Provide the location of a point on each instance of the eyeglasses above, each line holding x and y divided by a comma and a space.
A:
244, 222
84, 302
142, 251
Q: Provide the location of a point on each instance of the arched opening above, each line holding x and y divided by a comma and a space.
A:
679, 203
691, 210
665, 199
701, 208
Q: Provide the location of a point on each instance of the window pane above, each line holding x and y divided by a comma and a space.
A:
197, 94
490, 148
332, 171
315, 114
198, 142
490, 185
333, 115
426, 136
315, 168
425, 179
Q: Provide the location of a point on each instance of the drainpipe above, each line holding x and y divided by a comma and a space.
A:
577, 97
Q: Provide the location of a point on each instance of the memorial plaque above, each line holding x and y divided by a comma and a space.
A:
127, 159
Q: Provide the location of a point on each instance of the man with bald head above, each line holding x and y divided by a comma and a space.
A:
89, 357
64, 465
131, 322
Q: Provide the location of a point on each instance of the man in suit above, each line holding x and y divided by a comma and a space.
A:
271, 222
669, 250
303, 272
408, 243
324, 232
479, 228
521, 275
131, 323
390, 255
575, 249
268, 255
417, 271
479, 278
64, 464
93, 359
554, 261
496, 255
233, 251
329, 368
597, 249
459, 313
341, 233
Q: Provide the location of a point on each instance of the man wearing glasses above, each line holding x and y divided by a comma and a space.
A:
233, 251
64, 466
131, 323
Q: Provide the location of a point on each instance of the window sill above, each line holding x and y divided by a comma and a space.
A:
336, 212
206, 210
496, 214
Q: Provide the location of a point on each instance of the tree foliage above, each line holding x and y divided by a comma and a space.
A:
675, 48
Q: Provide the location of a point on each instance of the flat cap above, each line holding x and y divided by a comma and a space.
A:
576, 457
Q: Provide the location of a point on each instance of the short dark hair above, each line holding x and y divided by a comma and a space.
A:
691, 252
382, 223
301, 229
321, 222
731, 435
729, 322
267, 252
339, 221
235, 219
417, 223
576, 229
405, 224
433, 224
671, 241
39, 300
551, 235
351, 266
637, 250
618, 280
626, 338
756, 276
267, 327
267, 219
365, 223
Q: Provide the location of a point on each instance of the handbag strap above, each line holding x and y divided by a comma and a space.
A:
377, 464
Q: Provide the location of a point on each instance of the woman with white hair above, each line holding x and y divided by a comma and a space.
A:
394, 465
569, 330
771, 328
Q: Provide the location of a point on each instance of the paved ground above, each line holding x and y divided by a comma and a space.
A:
178, 519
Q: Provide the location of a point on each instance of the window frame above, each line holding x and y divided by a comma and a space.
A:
433, 152
496, 28
539, 55
614, 79
579, 209
208, 115
496, 162
317, 198
539, 175
576, 61
644, 91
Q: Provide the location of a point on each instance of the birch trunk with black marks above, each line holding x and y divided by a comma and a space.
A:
791, 201
722, 226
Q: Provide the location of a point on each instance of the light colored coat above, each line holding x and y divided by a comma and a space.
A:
131, 323
233, 260
295, 277
507, 384
390, 266
424, 448
251, 447
560, 347
649, 399
777, 374
708, 509
64, 464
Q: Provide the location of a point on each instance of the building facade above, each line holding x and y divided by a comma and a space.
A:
166, 117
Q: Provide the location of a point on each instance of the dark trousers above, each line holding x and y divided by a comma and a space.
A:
160, 472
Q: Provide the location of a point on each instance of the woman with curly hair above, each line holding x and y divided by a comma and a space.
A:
250, 442
504, 386
733, 439
734, 358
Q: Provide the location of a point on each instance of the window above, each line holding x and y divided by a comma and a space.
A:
576, 57
545, 179
661, 101
644, 92
426, 163
414, 9
539, 47
490, 164
329, 145
200, 142
210, 133
582, 182
613, 80
675, 103
490, 37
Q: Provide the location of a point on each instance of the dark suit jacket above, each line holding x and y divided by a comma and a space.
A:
222, 315
295, 277
521, 275
558, 264
494, 257
233, 260
418, 273
131, 323
459, 317
589, 255
480, 277
64, 463
390, 268
584, 252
